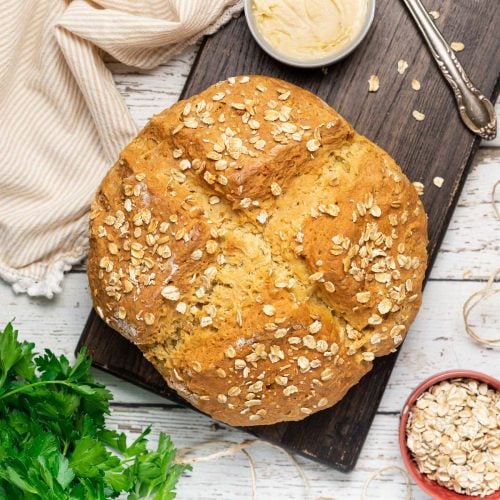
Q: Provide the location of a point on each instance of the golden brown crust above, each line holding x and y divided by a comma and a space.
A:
258, 250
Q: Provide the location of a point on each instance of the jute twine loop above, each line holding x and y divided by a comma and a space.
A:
233, 448
473, 301
494, 199
385, 469
485, 292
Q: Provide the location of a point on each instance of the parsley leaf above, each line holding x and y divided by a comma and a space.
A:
53, 441
15, 356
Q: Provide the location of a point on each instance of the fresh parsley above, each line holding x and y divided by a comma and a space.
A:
54, 444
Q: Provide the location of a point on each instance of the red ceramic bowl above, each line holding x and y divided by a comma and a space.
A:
431, 487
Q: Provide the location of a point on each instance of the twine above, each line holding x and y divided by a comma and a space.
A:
473, 301
234, 448
231, 450
385, 469
253, 471
485, 292
494, 200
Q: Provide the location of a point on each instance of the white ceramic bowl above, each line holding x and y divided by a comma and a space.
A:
316, 63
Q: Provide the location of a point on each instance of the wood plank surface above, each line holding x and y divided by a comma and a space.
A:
437, 146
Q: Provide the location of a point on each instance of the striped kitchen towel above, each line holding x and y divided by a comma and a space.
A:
62, 121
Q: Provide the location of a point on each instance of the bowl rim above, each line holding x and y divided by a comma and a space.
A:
423, 482
316, 63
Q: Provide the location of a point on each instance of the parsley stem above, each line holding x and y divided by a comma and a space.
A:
35, 384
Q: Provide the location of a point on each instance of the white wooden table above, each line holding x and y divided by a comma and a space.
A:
437, 340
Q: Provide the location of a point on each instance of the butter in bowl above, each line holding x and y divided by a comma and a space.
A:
309, 33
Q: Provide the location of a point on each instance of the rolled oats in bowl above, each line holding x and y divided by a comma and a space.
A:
453, 434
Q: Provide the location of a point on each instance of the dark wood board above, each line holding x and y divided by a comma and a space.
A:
438, 146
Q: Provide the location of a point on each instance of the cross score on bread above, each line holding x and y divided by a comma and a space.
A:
258, 251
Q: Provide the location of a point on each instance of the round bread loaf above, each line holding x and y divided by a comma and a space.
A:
257, 250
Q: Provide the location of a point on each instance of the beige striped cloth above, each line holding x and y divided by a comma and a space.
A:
62, 121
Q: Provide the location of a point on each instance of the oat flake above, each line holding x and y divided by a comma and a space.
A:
373, 83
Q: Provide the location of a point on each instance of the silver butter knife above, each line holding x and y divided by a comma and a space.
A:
475, 109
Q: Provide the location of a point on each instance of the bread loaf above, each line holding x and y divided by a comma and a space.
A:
258, 251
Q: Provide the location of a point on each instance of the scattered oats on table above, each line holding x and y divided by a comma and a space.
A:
467, 273
438, 181
457, 46
418, 115
453, 433
415, 84
373, 83
402, 66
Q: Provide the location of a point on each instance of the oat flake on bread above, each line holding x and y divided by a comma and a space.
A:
258, 250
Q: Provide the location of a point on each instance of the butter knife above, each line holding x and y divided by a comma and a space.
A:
475, 109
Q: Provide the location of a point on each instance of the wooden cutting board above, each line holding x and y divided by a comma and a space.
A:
438, 146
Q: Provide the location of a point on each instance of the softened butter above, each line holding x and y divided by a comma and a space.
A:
306, 30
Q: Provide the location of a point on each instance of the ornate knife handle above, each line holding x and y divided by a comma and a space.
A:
475, 109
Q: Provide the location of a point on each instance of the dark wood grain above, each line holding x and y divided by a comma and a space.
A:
438, 146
